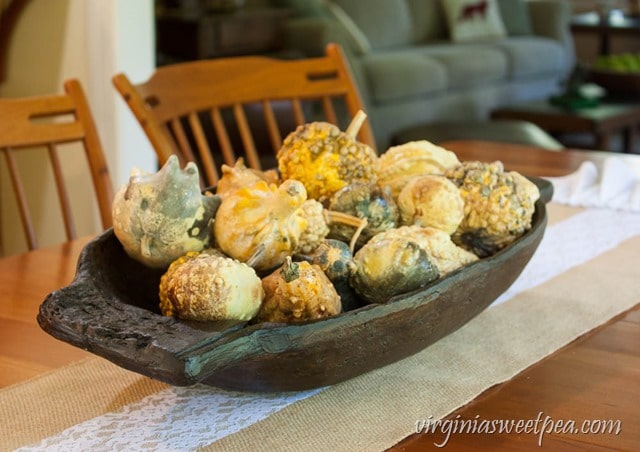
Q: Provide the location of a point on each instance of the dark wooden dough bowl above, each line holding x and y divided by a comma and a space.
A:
111, 309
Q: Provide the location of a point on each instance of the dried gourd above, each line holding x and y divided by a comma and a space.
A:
401, 163
316, 228
498, 206
372, 203
210, 286
261, 224
335, 259
389, 266
325, 159
431, 200
298, 292
442, 251
158, 217
319, 222
238, 176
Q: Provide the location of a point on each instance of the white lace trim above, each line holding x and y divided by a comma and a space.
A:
175, 419
186, 418
572, 242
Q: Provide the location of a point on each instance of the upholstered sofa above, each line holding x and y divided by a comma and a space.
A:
413, 67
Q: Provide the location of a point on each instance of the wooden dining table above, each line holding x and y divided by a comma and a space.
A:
596, 376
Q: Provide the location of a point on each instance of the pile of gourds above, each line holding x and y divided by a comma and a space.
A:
336, 227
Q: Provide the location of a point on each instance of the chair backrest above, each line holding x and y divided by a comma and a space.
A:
206, 111
46, 123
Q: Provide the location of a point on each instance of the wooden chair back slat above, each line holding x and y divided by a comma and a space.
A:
63, 195
103, 186
31, 114
176, 130
297, 111
204, 153
246, 98
253, 160
47, 122
181, 138
272, 126
21, 199
329, 111
223, 136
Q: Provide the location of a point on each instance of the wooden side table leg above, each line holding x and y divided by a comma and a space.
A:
630, 139
603, 141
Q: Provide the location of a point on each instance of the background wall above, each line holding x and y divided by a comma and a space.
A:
90, 40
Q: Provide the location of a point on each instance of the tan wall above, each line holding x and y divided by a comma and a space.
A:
89, 40
47, 47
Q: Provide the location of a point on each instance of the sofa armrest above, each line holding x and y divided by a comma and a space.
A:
551, 19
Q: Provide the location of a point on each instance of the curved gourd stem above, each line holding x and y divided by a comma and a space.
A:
290, 270
356, 124
257, 256
331, 216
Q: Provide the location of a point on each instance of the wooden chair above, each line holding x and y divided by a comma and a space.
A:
193, 109
46, 123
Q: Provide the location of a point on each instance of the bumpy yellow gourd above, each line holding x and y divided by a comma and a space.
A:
210, 286
325, 159
316, 226
498, 206
296, 293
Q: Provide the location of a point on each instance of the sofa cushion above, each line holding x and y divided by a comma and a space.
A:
400, 75
515, 17
530, 56
385, 23
472, 20
429, 22
469, 65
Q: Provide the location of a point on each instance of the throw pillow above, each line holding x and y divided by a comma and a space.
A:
473, 19
515, 16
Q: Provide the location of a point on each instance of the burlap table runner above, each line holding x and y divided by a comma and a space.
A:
373, 411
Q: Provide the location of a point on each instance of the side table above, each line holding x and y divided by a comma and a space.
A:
605, 27
602, 122
201, 35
